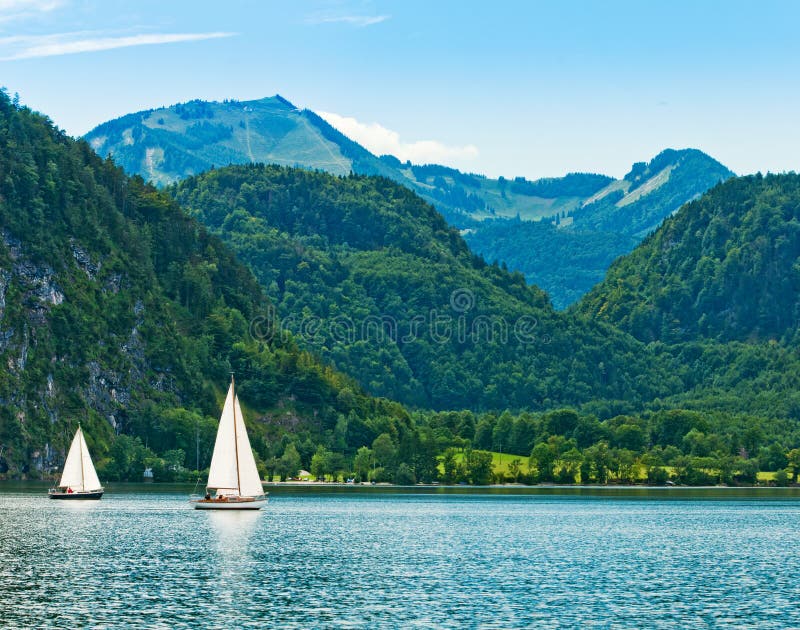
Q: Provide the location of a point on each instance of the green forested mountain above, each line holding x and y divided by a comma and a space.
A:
568, 253
364, 271
338, 252
119, 311
593, 218
726, 267
638, 203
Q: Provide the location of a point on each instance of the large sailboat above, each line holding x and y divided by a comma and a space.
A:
79, 479
233, 476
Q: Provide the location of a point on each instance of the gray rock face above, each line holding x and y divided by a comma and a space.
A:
84, 261
29, 293
35, 281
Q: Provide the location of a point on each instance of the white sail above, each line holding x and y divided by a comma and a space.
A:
72, 477
79, 473
233, 468
222, 474
90, 480
249, 479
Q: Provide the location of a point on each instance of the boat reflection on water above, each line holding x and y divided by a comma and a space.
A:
233, 530
80, 507
229, 542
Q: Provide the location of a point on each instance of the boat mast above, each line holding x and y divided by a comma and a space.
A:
80, 446
236, 439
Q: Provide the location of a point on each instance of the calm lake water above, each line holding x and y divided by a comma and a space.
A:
378, 558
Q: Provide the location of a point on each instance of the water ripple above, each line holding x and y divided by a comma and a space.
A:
398, 561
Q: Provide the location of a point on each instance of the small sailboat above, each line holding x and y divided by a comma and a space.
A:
79, 479
233, 475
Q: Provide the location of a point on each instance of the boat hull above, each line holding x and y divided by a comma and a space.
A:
74, 496
229, 504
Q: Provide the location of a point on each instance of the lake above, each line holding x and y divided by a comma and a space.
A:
393, 557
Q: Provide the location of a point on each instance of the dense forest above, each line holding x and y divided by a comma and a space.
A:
564, 263
369, 276
725, 267
121, 311
293, 227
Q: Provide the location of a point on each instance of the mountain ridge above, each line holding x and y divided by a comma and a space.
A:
724, 267
169, 143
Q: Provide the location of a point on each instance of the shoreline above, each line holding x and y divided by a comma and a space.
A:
344, 484
506, 489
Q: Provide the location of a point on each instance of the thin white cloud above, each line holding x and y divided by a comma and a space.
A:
381, 140
11, 6
29, 47
353, 20
21, 9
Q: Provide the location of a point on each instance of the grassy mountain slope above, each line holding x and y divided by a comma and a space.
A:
119, 311
650, 192
166, 144
371, 277
467, 199
725, 267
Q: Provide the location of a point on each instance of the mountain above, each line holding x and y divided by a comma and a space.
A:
120, 312
717, 288
638, 203
363, 271
568, 253
167, 144
370, 277
170, 143
592, 218
726, 267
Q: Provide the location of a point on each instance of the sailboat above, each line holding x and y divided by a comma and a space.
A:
233, 475
79, 479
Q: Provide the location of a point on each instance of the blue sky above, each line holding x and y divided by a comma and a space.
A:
503, 88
